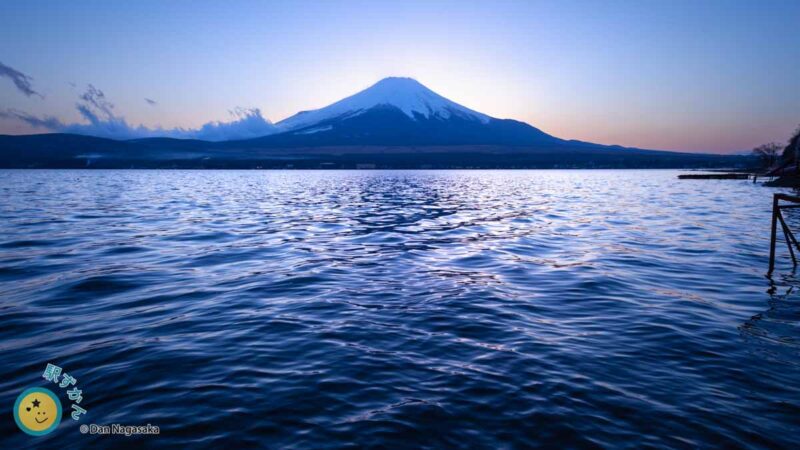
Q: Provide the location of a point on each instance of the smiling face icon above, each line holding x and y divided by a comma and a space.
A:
37, 411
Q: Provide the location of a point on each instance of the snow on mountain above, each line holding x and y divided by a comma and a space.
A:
405, 94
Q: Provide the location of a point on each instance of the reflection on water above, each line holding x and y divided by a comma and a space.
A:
475, 308
775, 331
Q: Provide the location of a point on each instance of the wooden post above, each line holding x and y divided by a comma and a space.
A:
788, 236
773, 235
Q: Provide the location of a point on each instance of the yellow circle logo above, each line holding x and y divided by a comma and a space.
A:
37, 411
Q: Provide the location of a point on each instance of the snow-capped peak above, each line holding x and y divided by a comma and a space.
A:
406, 94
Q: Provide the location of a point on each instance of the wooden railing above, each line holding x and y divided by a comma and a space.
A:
777, 216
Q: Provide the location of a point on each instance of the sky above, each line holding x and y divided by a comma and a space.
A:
707, 76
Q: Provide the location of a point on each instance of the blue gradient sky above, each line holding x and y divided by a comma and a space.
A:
696, 75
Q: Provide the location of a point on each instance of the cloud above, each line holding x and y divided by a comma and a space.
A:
21, 81
247, 123
151, 102
48, 122
101, 121
95, 99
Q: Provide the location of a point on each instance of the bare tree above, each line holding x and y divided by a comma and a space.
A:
768, 153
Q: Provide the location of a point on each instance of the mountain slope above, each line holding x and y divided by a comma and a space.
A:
390, 126
397, 112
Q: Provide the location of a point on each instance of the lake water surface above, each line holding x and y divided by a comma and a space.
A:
487, 309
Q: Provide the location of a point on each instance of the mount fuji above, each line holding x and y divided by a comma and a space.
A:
406, 94
399, 112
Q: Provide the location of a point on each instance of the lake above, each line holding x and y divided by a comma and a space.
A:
488, 309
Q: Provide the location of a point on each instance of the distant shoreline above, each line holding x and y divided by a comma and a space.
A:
70, 151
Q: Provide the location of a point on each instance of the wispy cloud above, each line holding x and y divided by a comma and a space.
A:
48, 122
21, 81
151, 102
245, 123
98, 111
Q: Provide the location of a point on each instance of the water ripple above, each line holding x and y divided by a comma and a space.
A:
488, 309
